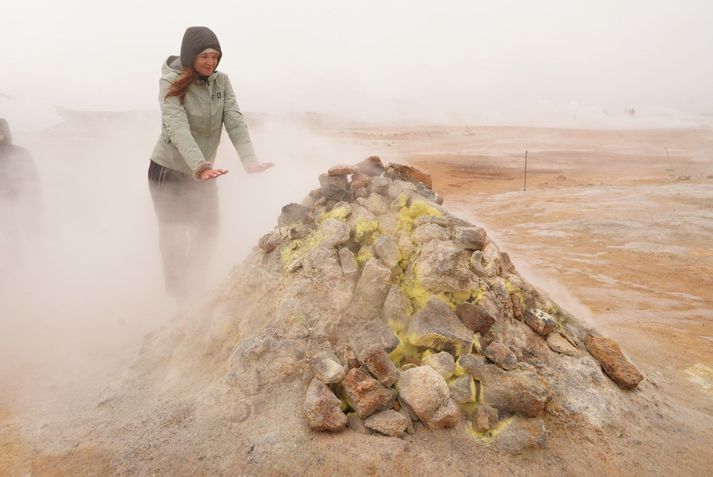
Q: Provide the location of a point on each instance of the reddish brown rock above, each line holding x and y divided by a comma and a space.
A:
613, 361
520, 392
408, 174
501, 355
541, 322
475, 317
381, 366
322, 408
359, 181
342, 170
365, 394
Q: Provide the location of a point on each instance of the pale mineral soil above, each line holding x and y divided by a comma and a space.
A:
610, 227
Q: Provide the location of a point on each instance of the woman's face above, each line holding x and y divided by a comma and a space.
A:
206, 62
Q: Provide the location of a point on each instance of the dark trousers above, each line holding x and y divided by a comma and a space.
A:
188, 221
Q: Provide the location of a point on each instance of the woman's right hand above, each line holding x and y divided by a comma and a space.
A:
209, 174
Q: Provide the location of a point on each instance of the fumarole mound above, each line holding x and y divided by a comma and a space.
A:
373, 327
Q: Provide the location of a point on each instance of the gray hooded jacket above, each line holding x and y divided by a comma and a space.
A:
190, 132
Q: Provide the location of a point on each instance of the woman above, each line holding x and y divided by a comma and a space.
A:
196, 101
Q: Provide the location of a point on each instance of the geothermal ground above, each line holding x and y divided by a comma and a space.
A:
612, 227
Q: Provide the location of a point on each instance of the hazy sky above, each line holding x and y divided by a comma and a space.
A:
419, 58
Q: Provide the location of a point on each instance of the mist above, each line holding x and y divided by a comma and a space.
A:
77, 297
555, 63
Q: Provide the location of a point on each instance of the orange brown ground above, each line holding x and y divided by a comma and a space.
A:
611, 227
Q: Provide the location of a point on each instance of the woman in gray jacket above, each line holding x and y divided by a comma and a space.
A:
196, 102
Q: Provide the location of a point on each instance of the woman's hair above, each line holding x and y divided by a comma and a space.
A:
180, 86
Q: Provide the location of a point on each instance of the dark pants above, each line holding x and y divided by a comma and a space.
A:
188, 220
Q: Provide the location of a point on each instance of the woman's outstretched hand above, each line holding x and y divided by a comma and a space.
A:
256, 167
209, 174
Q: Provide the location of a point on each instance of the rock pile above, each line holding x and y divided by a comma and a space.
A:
433, 327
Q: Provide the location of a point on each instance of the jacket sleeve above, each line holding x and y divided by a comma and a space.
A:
236, 127
175, 121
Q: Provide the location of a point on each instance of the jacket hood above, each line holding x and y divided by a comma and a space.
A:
5, 133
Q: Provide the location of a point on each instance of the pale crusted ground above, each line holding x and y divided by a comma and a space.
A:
606, 227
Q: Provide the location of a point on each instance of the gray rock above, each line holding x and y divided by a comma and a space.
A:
292, 213
406, 245
371, 166
372, 286
559, 344
365, 394
380, 185
477, 317
426, 393
501, 355
473, 364
270, 241
374, 333
431, 219
335, 232
541, 322
516, 392
521, 435
445, 416
463, 389
322, 408
427, 232
491, 260
438, 328
470, 238
327, 367
389, 422
485, 418
397, 308
375, 203
477, 264
443, 267
348, 262
339, 181
387, 250
356, 423
333, 192
442, 362
428, 193
407, 414
348, 356
380, 366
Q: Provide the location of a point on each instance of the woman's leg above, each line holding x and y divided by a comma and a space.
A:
203, 230
171, 205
